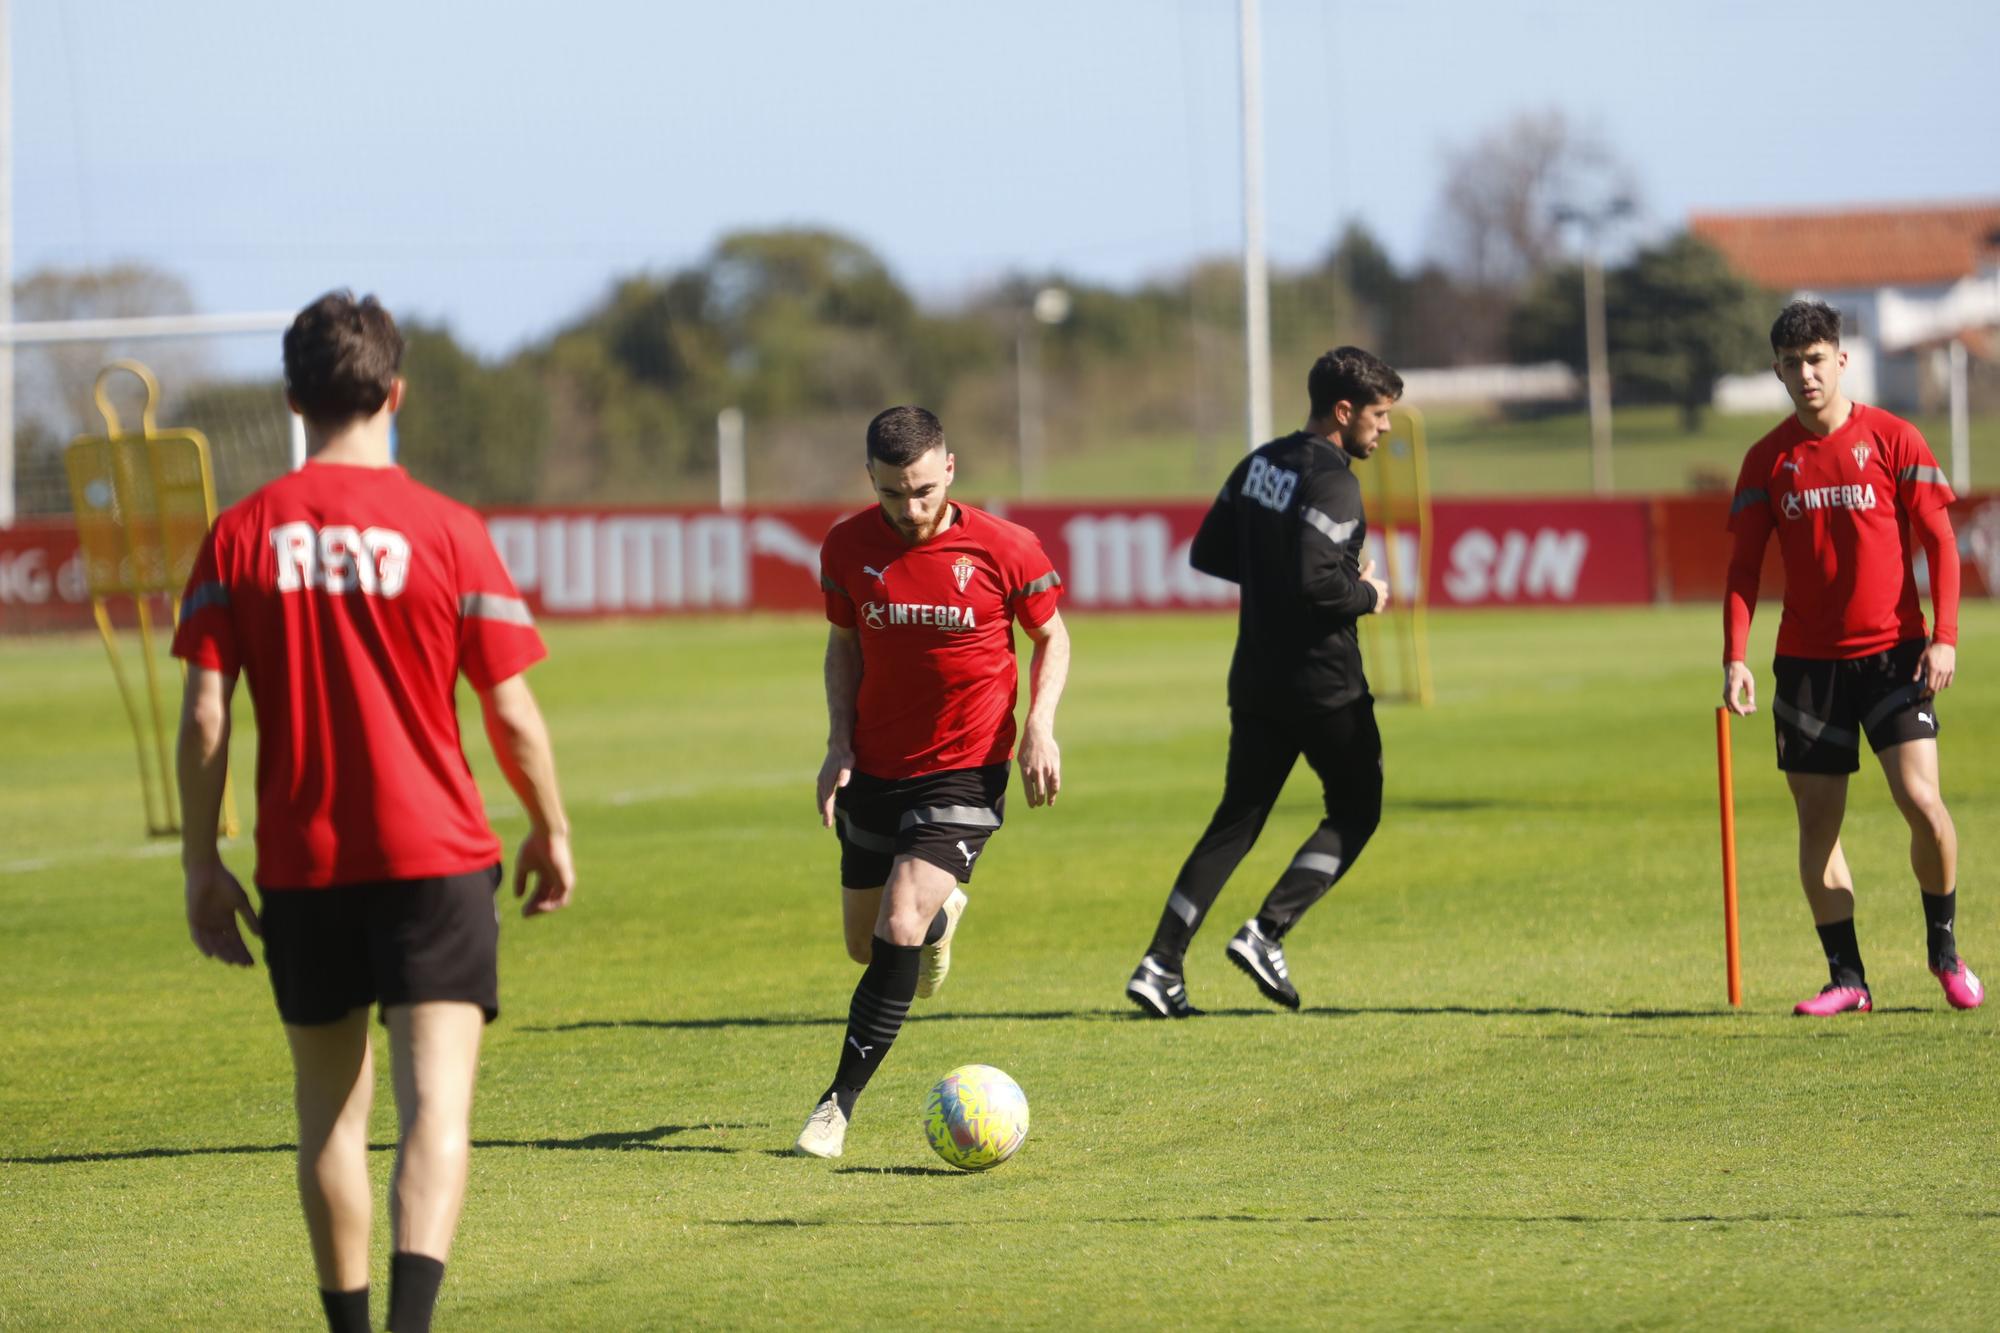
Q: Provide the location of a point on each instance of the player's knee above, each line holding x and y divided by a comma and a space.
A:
906, 928
861, 951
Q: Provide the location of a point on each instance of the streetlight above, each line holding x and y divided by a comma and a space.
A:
1050, 306
1597, 354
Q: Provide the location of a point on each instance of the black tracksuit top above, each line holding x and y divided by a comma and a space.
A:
1288, 529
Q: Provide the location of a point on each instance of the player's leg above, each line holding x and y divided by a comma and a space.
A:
1261, 754
859, 908
316, 948
1345, 751
434, 1047
435, 946
1820, 801
333, 1087
1816, 722
1911, 768
911, 901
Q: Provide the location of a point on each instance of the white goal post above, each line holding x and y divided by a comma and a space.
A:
50, 333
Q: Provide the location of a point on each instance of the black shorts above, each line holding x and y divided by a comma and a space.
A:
399, 941
944, 818
1823, 708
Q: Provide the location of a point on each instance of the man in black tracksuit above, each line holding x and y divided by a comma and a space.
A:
1288, 528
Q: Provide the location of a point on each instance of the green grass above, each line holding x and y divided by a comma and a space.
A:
1471, 453
1516, 1097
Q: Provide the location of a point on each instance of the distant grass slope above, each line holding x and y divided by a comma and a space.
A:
1471, 453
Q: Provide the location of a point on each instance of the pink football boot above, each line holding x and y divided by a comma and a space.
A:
1836, 1000
1962, 990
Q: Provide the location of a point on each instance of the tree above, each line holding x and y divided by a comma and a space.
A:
473, 430
1677, 319
54, 382
1497, 222
1682, 319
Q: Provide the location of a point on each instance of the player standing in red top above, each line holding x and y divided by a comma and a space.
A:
922, 594
1843, 485
351, 598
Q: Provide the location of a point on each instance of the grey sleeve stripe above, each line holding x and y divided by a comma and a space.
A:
1183, 907
1316, 861
1337, 533
1891, 702
862, 838
203, 596
493, 606
831, 586
1916, 472
971, 816
1813, 729
1042, 584
1746, 498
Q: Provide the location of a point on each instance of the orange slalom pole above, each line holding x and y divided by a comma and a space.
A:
1727, 784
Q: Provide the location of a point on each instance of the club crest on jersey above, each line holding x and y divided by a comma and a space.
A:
961, 571
1860, 455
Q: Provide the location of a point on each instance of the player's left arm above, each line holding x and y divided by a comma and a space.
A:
1048, 672
214, 897
1939, 663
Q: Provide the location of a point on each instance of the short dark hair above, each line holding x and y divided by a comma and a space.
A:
1350, 375
341, 358
1803, 323
902, 435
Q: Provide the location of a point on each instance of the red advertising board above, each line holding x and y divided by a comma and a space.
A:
1540, 553
589, 562
1694, 544
41, 579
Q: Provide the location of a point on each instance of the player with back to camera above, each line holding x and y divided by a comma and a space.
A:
922, 594
351, 599
1289, 529
1845, 487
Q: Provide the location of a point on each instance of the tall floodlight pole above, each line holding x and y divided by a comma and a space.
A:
6, 267
1597, 362
1256, 281
1592, 222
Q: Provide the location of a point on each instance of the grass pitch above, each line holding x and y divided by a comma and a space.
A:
1516, 1096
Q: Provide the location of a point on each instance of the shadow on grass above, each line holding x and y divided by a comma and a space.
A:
813, 1021
1367, 1219
617, 1140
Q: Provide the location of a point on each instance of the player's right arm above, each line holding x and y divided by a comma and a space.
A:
520, 739
1329, 513
1750, 521
843, 690
214, 897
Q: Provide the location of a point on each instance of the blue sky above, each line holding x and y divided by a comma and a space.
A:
496, 165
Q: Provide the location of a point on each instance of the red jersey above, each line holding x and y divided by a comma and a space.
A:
1841, 505
351, 598
938, 681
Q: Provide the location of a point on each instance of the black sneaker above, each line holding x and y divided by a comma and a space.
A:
1264, 960
1158, 992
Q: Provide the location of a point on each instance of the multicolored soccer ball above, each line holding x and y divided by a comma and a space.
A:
976, 1117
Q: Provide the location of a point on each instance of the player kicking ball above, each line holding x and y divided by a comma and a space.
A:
923, 595
1845, 487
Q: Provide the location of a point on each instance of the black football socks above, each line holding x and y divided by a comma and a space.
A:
939, 924
1843, 954
1939, 910
414, 1280
346, 1311
881, 1002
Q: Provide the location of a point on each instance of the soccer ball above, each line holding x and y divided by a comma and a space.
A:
976, 1117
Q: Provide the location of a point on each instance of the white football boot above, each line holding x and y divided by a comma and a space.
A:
936, 963
825, 1133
